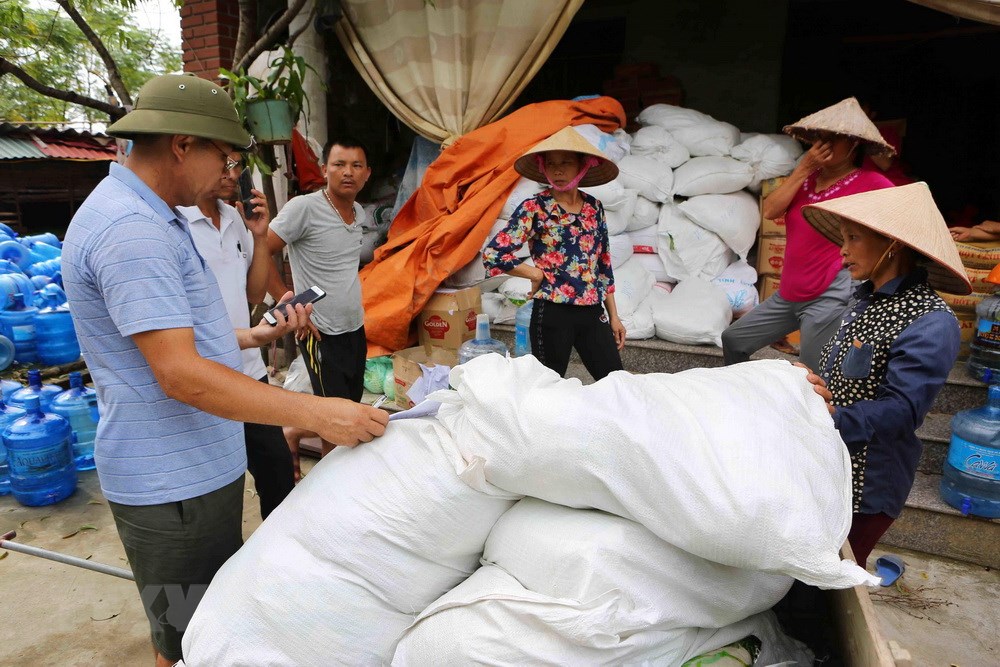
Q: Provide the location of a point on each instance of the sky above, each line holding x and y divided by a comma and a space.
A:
160, 15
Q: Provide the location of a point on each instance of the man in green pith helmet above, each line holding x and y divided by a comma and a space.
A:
159, 344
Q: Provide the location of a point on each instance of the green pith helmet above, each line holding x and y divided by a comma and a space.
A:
183, 104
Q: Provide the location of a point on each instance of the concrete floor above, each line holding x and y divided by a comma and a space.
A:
942, 612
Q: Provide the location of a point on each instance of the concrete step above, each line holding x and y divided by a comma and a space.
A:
930, 525
935, 433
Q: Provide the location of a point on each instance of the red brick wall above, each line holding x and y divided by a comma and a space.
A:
208, 35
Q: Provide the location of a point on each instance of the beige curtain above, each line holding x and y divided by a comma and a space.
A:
986, 11
450, 66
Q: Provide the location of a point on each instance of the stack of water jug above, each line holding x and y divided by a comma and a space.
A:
35, 324
46, 436
971, 477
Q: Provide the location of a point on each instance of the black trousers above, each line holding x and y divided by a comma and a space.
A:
270, 462
336, 364
557, 328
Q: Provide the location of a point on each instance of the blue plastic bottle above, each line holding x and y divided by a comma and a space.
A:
40, 281
54, 293
7, 266
7, 415
44, 392
522, 328
7, 353
482, 344
971, 479
45, 251
10, 285
15, 252
78, 405
41, 457
47, 237
8, 387
55, 337
7, 231
18, 324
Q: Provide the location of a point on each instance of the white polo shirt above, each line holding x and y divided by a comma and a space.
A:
228, 251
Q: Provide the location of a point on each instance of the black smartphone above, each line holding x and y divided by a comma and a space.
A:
245, 185
311, 295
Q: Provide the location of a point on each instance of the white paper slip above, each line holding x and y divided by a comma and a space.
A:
423, 409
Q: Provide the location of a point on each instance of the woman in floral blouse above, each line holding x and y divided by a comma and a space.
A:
571, 280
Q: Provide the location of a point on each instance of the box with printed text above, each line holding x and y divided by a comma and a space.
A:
449, 318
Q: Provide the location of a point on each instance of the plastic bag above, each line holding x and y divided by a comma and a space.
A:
375, 369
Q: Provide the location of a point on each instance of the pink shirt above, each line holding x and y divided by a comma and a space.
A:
811, 261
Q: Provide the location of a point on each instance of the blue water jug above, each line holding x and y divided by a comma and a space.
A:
48, 267
7, 353
40, 455
7, 266
78, 405
971, 479
15, 252
32, 239
10, 285
7, 415
55, 337
7, 231
482, 344
40, 281
18, 324
45, 250
522, 329
54, 293
8, 387
44, 392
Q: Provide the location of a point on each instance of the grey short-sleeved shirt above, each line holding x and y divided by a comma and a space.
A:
326, 252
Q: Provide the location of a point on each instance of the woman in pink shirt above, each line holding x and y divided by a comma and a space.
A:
814, 287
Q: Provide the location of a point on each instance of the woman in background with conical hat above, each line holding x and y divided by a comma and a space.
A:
896, 343
571, 279
814, 287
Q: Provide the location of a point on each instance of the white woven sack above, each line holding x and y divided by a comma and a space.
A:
735, 217
632, 284
711, 175
474, 273
368, 539
620, 246
491, 619
690, 250
614, 146
770, 155
671, 117
695, 312
654, 264
580, 554
773, 494
523, 190
739, 281
639, 323
617, 219
644, 215
611, 194
498, 308
644, 240
653, 179
657, 142
713, 137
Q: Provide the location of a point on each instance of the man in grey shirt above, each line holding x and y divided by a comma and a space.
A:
323, 233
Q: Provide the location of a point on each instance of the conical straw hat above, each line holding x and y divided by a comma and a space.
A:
567, 139
845, 117
906, 213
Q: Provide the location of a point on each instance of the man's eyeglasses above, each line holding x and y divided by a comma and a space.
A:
230, 162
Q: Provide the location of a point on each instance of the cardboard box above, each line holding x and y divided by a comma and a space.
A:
449, 318
770, 254
406, 367
769, 227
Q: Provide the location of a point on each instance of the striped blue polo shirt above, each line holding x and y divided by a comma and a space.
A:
129, 265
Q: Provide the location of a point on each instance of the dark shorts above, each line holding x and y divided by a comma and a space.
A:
336, 364
174, 550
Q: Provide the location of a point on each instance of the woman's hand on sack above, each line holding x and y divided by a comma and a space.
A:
819, 386
618, 329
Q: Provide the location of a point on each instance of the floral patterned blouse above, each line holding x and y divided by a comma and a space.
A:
571, 249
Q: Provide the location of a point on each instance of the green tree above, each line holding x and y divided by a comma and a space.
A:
77, 61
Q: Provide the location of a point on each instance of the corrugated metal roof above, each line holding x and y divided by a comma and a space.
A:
75, 150
19, 148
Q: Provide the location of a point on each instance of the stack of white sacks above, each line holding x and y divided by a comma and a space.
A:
682, 217
521, 526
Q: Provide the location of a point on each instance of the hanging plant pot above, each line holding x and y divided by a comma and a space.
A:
270, 121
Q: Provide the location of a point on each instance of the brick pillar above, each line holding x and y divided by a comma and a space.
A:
208, 35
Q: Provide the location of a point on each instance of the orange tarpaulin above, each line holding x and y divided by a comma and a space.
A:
443, 225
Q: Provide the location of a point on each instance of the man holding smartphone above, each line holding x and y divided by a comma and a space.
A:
165, 359
323, 233
233, 241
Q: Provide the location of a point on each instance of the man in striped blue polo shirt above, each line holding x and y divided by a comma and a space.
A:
165, 360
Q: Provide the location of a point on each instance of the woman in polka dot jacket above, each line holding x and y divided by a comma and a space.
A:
896, 343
